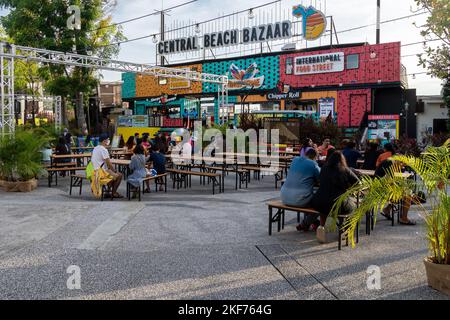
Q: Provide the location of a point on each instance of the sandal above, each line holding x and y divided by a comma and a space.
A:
409, 223
118, 196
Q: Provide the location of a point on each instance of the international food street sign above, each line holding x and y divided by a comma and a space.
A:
314, 24
320, 63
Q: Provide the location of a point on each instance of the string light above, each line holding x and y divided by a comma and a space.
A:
251, 15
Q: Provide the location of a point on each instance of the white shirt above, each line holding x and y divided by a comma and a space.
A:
187, 150
99, 155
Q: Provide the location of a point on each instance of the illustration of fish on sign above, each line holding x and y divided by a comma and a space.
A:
314, 21
245, 78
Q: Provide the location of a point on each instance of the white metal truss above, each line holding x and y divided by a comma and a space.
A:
9, 52
7, 121
71, 59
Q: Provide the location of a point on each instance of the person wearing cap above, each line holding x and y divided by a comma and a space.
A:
104, 168
303, 175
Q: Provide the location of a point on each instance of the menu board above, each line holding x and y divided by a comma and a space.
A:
140, 121
125, 121
384, 127
326, 106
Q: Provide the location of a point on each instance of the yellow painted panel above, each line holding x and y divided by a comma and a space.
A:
127, 132
148, 86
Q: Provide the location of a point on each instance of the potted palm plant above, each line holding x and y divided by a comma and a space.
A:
433, 168
21, 159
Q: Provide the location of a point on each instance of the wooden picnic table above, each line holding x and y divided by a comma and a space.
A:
371, 173
260, 156
120, 162
77, 156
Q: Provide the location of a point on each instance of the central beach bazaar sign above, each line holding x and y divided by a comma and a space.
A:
262, 33
314, 25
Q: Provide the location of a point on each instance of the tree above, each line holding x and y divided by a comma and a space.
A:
436, 60
46, 24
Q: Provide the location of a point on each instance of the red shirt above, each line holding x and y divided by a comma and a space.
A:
383, 157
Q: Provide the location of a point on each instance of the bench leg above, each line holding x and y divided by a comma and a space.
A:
270, 220
279, 216
165, 184
71, 184
282, 222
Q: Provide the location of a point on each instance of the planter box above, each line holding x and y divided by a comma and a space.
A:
19, 186
438, 276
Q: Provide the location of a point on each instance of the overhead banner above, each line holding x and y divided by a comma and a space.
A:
321, 63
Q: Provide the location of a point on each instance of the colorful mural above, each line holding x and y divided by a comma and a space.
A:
372, 64
261, 69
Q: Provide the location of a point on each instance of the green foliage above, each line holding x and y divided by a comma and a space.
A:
436, 59
409, 146
433, 167
21, 156
446, 97
43, 24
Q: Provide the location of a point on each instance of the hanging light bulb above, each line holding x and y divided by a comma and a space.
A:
251, 15
155, 40
414, 76
197, 28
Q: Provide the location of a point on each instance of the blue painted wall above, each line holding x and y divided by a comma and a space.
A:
269, 67
128, 85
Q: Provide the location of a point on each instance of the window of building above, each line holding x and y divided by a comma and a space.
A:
352, 61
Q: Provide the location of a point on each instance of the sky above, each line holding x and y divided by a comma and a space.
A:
346, 14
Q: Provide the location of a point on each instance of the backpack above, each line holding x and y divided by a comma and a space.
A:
90, 171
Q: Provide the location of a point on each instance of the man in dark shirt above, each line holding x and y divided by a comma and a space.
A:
159, 161
351, 155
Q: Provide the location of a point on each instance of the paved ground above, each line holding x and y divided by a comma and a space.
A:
189, 244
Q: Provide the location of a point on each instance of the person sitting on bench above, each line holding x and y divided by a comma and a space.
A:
335, 179
139, 171
159, 162
100, 159
297, 191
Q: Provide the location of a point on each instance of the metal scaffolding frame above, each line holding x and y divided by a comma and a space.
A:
7, 120
9, 52
56, 101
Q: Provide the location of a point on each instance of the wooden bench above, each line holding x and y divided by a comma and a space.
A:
180, 177
242, 175
160, 179
279, 218
76, 181
53, 172
278, 173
